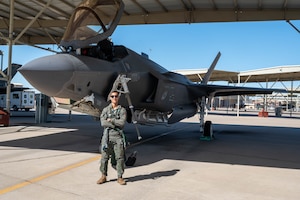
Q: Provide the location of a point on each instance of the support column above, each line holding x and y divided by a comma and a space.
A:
238, 98
42, 109
292, 89
10, 44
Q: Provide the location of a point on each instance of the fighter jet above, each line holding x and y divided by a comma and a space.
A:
91, 66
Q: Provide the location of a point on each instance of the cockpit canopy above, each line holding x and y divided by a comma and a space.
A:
91, 22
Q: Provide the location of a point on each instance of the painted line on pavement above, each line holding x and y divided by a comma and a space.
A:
53, 173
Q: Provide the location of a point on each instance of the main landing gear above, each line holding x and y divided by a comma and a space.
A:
205, 128
208, 133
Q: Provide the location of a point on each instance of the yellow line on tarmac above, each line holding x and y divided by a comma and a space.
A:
34, 180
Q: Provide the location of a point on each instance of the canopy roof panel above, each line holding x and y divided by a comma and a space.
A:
50, 25
196, 75
279, 73
272, 74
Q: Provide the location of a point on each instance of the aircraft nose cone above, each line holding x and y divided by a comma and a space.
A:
50, 73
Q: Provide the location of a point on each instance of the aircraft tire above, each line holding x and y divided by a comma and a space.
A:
207, 129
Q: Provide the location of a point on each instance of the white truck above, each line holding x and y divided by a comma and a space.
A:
23, 100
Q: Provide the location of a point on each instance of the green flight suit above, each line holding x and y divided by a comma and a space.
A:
112, 142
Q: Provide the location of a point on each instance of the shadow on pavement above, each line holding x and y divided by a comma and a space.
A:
234, 144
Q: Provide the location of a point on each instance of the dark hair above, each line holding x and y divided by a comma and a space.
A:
115, 92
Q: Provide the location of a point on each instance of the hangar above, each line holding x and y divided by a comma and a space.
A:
269, 76
33, 22
44, 21
272, 74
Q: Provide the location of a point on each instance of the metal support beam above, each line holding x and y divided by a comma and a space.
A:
238, 98
10, 44
1, 54
4, 77
266, 96
290, 23
32, 21
292, 88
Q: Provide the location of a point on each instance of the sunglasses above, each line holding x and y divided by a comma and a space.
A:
114, 96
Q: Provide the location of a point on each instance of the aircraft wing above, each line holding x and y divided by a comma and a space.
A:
220, 90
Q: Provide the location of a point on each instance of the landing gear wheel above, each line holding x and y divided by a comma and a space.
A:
207, 131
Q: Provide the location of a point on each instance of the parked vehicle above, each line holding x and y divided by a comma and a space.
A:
20, 100
287, 107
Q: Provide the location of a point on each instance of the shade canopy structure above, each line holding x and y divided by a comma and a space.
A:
44, 21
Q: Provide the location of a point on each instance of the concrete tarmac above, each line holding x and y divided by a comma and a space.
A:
251, 158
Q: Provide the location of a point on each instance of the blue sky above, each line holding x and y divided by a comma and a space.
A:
244, 45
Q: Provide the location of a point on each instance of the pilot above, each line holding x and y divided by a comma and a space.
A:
113, 118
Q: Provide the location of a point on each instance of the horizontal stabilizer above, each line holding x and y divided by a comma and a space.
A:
220, 90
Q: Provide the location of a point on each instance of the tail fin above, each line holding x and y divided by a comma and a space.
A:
14, 70
211, 69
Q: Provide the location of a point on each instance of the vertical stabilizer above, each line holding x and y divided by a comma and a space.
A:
14, 70
211, 69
